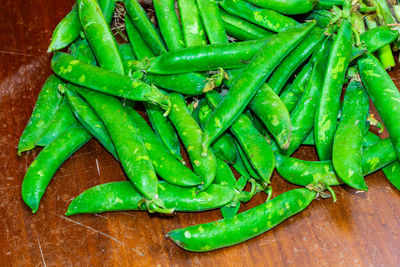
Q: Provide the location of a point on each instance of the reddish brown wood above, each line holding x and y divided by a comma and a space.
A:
360, 229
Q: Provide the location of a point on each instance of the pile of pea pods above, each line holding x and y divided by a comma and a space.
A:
240, 84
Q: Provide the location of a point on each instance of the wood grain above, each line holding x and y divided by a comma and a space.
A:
361, 229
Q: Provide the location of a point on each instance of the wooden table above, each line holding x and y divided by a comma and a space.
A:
360, 229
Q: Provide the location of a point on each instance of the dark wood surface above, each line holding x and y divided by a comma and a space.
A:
360, 229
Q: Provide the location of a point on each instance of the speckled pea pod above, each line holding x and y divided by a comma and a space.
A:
122, 196
384, 94
191, 134
144, 26
328, 103
392, 173
245, 225
295, 59
88, 118
43, 168
254, 145
139, 47
169, 25
82, 51
47, 105
268, 19
165, 164
192, 26
66, 32
242, 29
378, 37
212, 22
292, 7
62, 120
378, 156
96, 28
99, 79
348, 141
131, 150
205, 58
293, 94
253, 76
224, 146
303, 115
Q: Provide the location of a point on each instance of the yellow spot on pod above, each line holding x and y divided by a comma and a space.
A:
82, 79
148, 146
201, 229
187, 234
190, 148
299, 202
197, 163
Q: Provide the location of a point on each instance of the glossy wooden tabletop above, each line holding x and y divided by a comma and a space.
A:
360, 229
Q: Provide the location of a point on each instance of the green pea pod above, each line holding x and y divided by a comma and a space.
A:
63, 120
328, 103
256, 148
98, 79
293, 94
88, 118
241, 29
295, 59
266, 18
66, 32
165, 164
212, 22
191, 83
46, 107
303, 173
241, 168
378, 37
323, 17
285, 7
169, 24
246, 162
309, 141
303, 115
82, 51
139, 47
192, 26
223, 147
122, 196
108, 8
245, 225
252, 77
131, 150
96, 29
347, 145
205, 58
126, 52
384, 95
392, 173
43, 168
144, 26
191, 134
328, 4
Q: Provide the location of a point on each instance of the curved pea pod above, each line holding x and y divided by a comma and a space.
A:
292, 95
378, 37
99, 35
168, 22
268, 19
191, 83
192, 26
191, 134
47, 105
139, 47
224, 146
347, 145
204, 58
144, 26
242, 29
384, 95
328, 103
378, 156
165, 164
293, 7
253, 76
43, 168
245, 225
108, 8
392, 173
99, 79
295, 59
122, 196
88, 118
66, 32
270, 109
63, 120
164, 129
212, 22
